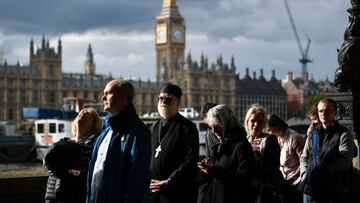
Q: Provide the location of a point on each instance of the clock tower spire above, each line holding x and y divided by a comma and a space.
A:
169, 40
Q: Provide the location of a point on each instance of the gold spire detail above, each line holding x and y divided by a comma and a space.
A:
169, 3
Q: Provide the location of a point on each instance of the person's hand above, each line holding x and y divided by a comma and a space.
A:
205, 165
157, 185
312, 126
75, 172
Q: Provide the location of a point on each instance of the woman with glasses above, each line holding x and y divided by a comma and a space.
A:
268, 182
228, 172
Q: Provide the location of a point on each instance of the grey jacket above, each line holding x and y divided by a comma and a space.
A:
346, 149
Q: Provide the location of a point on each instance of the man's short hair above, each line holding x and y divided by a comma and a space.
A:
125, 87
329, 101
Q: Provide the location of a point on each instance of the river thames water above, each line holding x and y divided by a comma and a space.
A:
20, 166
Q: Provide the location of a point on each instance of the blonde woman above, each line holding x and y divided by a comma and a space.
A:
67, 160
268, 182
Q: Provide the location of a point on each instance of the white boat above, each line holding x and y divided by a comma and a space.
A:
49, 131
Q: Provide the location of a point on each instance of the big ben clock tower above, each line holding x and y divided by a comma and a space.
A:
169, 40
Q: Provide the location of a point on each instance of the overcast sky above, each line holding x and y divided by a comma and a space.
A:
256, 32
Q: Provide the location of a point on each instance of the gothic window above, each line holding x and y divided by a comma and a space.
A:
10, 114
64, 94
209, 82
86, 95
226, 100
196, 99
51, 97
11, 96
23, 96
24, 84
196, 82
10, 83
35, 96
52, 71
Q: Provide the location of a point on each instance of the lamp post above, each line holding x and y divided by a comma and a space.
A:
347, 75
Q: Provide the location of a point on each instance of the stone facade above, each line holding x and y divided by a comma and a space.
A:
267, 93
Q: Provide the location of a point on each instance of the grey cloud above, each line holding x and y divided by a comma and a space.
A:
263, 22
49, 16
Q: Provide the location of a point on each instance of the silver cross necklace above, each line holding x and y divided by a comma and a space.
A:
158, 149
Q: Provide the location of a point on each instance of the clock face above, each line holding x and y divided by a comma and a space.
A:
161, 35
177, 34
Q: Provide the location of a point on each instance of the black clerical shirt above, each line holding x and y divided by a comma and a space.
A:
177, 160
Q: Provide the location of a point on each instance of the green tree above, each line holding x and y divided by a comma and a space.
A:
312, 100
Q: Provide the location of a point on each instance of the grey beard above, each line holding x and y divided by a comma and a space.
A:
164, 112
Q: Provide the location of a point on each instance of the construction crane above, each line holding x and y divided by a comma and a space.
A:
304, 60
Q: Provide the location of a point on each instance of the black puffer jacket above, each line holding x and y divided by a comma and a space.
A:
67, 162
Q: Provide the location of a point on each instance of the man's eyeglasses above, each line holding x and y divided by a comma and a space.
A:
166, 99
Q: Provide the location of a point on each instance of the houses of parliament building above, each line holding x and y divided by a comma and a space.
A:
42, 83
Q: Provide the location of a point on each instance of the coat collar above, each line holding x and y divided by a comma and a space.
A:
122, 122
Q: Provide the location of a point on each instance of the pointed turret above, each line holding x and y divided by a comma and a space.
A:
89, 67
31, 47
169, 3
247, 75
273, 77
1, 57
169, 9
261, 77
43, 42
206, 62
232, 63
219, 61
59, 47
188, 59
202, 61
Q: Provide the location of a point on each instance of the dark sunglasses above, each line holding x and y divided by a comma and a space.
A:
166, 99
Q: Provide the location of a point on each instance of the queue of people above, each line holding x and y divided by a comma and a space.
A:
261, 161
